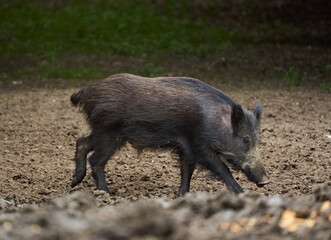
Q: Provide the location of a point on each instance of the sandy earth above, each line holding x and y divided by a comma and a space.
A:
39, 127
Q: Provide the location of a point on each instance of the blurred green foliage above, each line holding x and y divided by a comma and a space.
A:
108, 27
293, 78
77, 39
34, 30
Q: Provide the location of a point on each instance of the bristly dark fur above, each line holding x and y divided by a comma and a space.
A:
183, 113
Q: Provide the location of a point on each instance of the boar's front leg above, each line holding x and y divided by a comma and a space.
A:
225, 174
83, 147
218, 167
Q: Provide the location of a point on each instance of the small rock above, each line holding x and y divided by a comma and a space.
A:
322, 193
99, 193
4, 204
274, 201
122, 190
303, 212
145, 178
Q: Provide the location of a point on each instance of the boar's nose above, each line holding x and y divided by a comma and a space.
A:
256, 174
261, 184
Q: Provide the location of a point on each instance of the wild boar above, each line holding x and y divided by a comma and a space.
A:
203, 124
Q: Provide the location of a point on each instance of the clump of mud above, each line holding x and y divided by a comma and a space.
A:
196, 216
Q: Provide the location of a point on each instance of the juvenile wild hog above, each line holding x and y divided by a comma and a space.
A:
203, 124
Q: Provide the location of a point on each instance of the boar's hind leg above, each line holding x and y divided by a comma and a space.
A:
83, 147
187, 166
106, 146
216, 165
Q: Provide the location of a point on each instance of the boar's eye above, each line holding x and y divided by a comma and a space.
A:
247, 140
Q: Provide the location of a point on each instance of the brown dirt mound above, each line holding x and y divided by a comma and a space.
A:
196, 216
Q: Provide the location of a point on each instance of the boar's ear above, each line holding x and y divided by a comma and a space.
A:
258, 114
237, 118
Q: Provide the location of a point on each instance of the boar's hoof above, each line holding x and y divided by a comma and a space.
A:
261, 184
77, 178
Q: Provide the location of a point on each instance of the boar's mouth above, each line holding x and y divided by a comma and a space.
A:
261, 184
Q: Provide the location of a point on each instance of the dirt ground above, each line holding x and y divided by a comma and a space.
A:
196, 216
39, 127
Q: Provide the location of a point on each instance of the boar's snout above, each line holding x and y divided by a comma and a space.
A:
256, 173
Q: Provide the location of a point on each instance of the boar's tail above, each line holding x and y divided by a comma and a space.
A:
76, 97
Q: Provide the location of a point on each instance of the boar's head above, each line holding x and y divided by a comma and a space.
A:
243, 147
